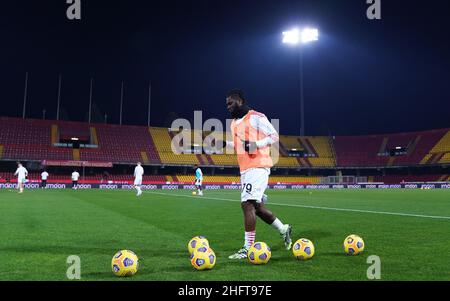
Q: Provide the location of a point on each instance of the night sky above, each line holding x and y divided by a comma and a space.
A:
361, 77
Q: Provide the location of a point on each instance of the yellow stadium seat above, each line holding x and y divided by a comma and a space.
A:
443, 146
290, 142
445, 158
236, 179
163, 141
321, 145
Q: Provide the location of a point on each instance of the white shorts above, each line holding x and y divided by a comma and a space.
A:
254, 183
138, 181
21, 180
198, 182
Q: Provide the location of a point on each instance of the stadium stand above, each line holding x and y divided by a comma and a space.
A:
443, 145
28, 139
290, 142
54, 134
440, 153
317, 149
374, 150
121, 144
32, 139
359, 151
321, 146
30, 152
15, 131
163, 143
65, 131
418, 145
287, 162
224, 160
445, 158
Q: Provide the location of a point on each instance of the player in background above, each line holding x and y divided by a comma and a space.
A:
138, 173
22, 174
253, 135
75, 177
198, 179
44, 177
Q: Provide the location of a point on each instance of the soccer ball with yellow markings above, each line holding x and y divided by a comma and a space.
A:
303, 249
259, 253
353, 244
125, 263
197, 242
203, 258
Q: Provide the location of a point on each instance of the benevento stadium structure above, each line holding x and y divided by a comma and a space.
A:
105, 156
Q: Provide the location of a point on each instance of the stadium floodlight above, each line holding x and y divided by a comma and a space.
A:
295, 36
309, 35
291, 37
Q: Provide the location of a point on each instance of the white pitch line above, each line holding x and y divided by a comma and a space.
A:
314, 207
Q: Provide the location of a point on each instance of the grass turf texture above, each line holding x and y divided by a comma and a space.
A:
41, 228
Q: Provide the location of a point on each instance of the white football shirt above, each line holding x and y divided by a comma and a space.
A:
75, 176
138, 171
21, 172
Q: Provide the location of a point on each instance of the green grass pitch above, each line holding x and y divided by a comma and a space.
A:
408, 229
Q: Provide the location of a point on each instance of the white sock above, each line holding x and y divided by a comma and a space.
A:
277, 224
249, 238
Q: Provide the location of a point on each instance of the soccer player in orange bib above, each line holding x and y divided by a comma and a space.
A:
253, 135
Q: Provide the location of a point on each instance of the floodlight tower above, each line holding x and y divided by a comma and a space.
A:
295, 37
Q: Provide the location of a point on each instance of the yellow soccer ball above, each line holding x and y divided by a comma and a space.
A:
203, 258
259, 253
194, 192
197, 242
303, 249
125, 263
353, 244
